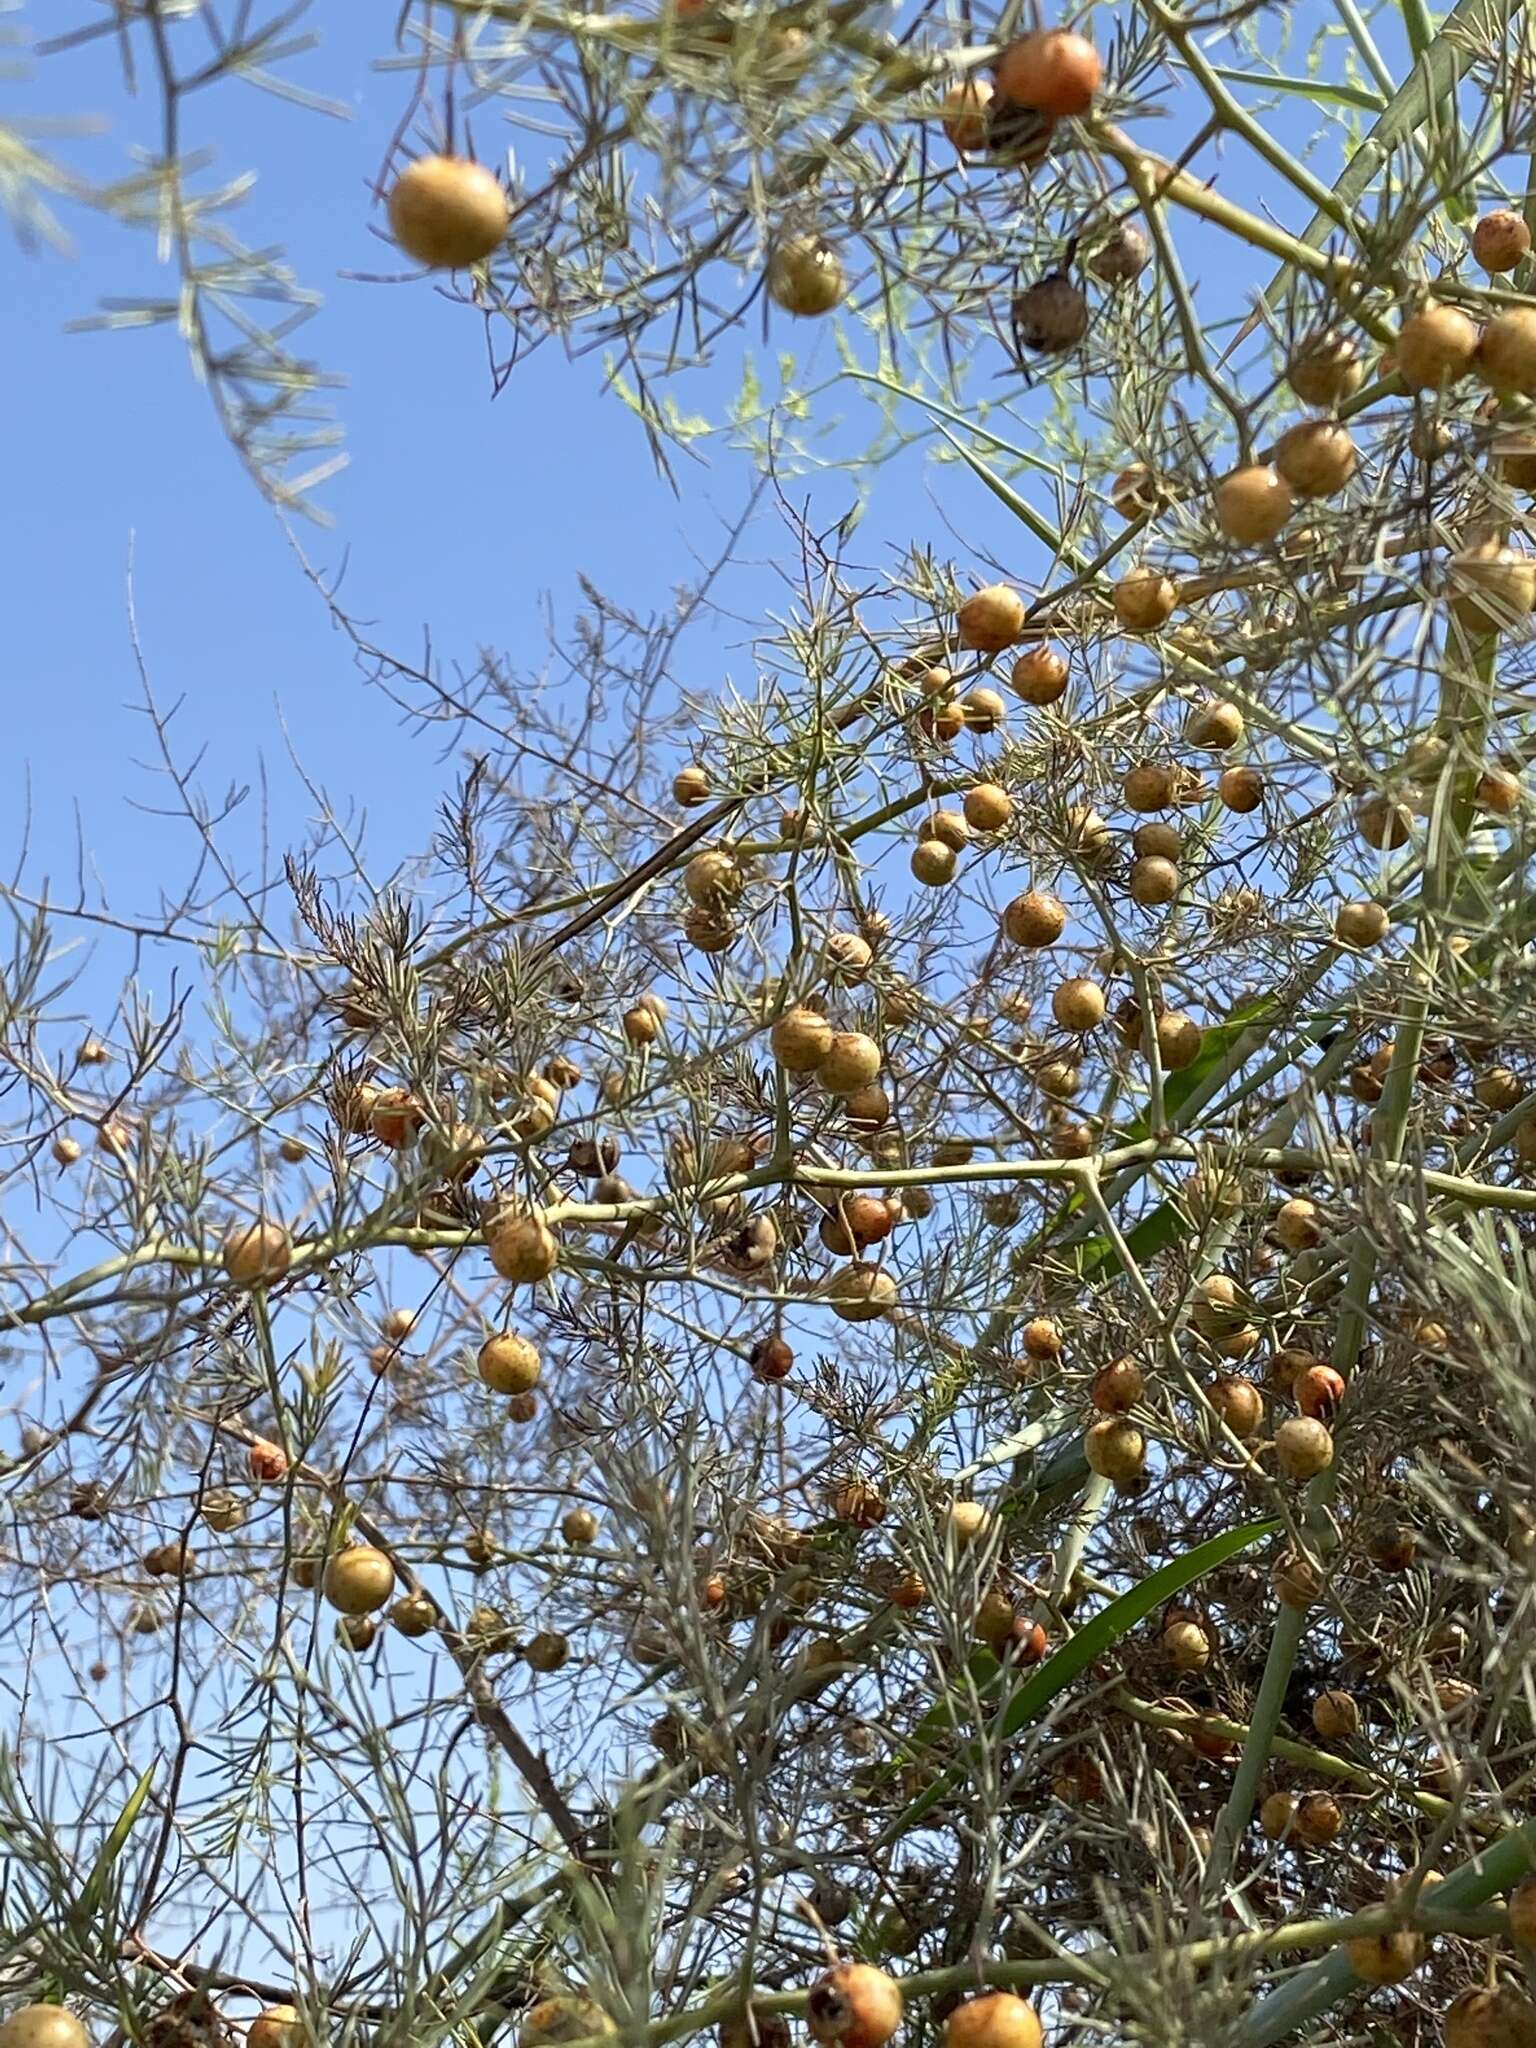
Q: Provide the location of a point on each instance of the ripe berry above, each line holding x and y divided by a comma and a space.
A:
1298, 1225
447, 212
1078, 1005
988, 807
1253, 504
1436, 346
1318, 1392
1053, 70
691, 785
256, 1254
1317, 458
1116, 1450
933, 863
995, 2019
850, 1062
1303, 1448
1501, 240
1383, 824
1040, 676
359, 1580
1157, 839
1362, 924
991, 619
800, 1040
854, 2005
1149, 786
1506, 355
1214, 725
1492, 587
965, 114
1239, 1404
1035, 919
806, 276
1144, 600
1277, 1816
1325, 369
1179, 1039
1336, 1716
1240, 789
508, 1363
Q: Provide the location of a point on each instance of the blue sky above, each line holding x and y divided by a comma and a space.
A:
456, 513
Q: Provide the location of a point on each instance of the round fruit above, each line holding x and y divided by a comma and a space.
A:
397, 1118
1040, 676
991, 619
1117, 1387
965, 113
447, 212
1158, 840
1277, 1816
1053, 70
523, 1248
1116, 1450
546, 1652
1298, 1225
1500, 1088
1239, 1404
1506, 355
1042, 1338
1500, 790
1501, 240
1303, 1448
995, 2019
1240, 789
691, 785
1383, 824
256, 1254
1153, 881
641, 1025
1136, 494
359, 1580
1297, 1582
712, 878
1491, 2016
984, 710
1214, 725
1437, 345
861, 1293
933, 863
1145, 600
806, 276
1319, 1818
1336, 1716
1179, 1039
564, 2018
1325, 369
800, 1040
988, 807
1253, 504
1362, 924
854, 2006
1186, 1645
66, 1151
1317, 458
414, 1615
1385, 1958
278, 2027
508, 1363
850, 1062
1050, 317
1078, 1005
967, 1521
1149, 786
1035, 919
42, 2026
1492, 587
1122, 256
1318, 1392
